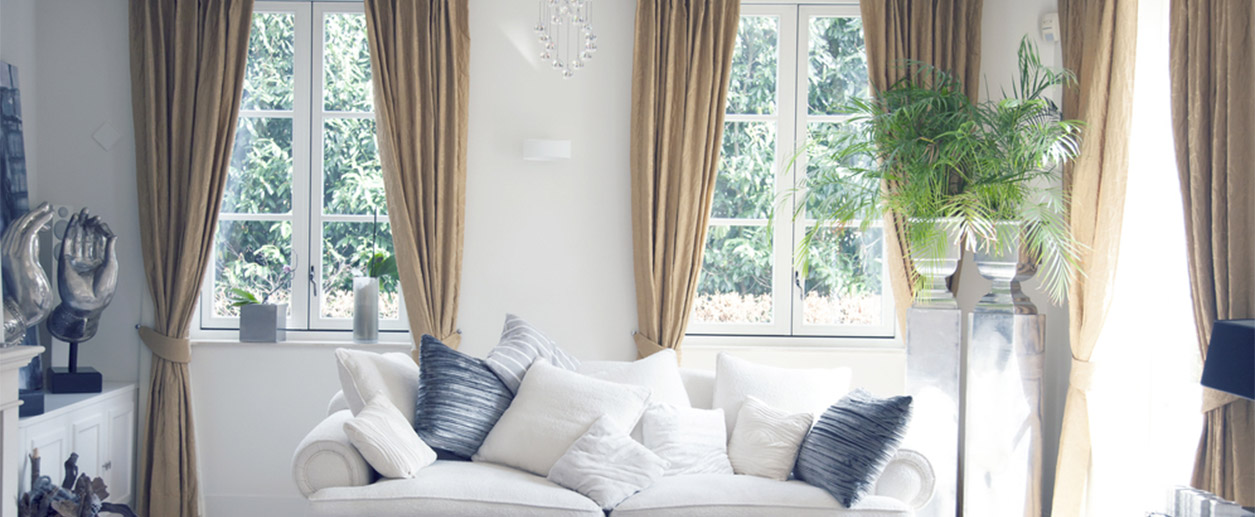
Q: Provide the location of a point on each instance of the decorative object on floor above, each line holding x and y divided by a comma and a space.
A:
78, 495
522, 344
765, 440
934, 340
387, 440
849, 446
1230, 364
379, 265
565, 31
693, 441
607, 465
87, 276
260, 320
459, 399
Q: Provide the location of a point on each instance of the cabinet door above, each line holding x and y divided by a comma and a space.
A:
89, 440
52, 440
118, 470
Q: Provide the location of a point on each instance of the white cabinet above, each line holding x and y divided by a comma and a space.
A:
100, 427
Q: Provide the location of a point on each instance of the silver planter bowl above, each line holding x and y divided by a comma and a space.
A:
936, 269
1002, 265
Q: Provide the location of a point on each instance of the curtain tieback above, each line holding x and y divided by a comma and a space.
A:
1213, 399
646, 347
175, 350
1082, 376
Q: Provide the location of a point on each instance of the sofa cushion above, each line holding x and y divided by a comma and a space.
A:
459, 400
521, 345
850, 445
607, 465
717, 495
793, 390
364, 373
453, 489
692, 440
765, 440
552, 409
659, 372
387, 441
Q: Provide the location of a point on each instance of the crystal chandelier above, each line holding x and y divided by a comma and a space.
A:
566, 35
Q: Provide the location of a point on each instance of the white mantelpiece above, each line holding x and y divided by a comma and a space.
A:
11, 359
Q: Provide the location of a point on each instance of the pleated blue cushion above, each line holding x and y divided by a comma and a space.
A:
849, 446
459, 400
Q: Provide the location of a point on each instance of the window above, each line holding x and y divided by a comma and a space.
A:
794, 67
304, 205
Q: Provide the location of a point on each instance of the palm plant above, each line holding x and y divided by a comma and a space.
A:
923, 151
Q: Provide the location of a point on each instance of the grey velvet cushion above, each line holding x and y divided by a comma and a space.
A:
459, 400
521, 345
850, 445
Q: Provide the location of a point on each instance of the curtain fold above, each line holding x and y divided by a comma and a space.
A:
941, 33
420, 63
1213, 107
1099, 44
187, 73
682, 64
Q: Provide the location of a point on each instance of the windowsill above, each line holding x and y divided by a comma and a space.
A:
398, 339
723, 341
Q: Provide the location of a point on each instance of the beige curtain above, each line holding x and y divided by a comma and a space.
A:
187, 72
420, 60
1099, 42
1213, 111
944, 34
681, 68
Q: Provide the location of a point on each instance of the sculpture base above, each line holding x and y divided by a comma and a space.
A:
32, 403
933, 345
85, 380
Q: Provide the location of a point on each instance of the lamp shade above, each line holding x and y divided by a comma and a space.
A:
1230, 364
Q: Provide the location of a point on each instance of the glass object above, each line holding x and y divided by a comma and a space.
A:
259, 180
843, 281
346, 64
255, 256
565, 32
838, 64
268, 70
346, 248
745, 187
735, 282
755, 61
352, 177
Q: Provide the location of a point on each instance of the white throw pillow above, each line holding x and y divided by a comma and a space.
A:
659, 372
692, 440
765, 440
364, 373
552, 409
792, 390
606, 465
387, 441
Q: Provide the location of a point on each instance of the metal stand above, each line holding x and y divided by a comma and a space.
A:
933, 341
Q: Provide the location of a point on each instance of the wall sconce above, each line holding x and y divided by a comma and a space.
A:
536, 150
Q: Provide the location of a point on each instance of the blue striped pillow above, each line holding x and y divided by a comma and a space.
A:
851, 443
521, 345
459, 399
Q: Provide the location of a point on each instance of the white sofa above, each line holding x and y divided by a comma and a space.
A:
336, 480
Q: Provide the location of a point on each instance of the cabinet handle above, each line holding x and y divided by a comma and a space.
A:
108, 465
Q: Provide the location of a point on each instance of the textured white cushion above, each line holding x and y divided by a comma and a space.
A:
714, 495
692, 440
607, 465
659, 372
456, 489
765, 440
364, 373
521, 345
381, 433
551, 410
793, 390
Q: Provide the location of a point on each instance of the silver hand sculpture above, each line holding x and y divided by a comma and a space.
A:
27, 292
87, 276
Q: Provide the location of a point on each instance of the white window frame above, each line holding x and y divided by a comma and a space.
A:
791, 118
308, 117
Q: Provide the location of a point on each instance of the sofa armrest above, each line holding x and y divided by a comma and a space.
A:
338, 402
909, 478
326, 458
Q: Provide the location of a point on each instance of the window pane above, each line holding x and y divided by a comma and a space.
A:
843, 284
254, 256
838, 64
735, 283
745, 187
346, 251
819, 162
268, 70
259, 180
352, 177
754, 63
346, 63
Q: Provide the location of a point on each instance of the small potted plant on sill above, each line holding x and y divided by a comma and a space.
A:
260, 320
378, 264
